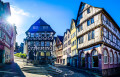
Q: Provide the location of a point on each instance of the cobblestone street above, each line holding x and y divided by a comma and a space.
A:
20, 69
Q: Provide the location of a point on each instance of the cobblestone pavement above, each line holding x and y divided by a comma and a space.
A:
36, 71
20, 69
71, 72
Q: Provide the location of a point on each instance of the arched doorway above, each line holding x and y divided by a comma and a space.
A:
88, 60
94, 58
82, 59
31, 55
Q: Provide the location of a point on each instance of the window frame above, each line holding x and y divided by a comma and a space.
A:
105, 55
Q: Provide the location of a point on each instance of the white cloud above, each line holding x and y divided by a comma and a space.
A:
18, 11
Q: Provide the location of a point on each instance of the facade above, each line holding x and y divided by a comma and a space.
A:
54, 48
98, 38
74, 52
66, 48
13, 41
7, 35
59, 49
39, 42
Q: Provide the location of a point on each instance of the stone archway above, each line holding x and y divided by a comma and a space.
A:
95, 59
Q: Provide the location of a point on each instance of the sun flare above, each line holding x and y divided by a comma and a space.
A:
14, 20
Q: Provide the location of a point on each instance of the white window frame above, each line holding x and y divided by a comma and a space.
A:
115, 58
105, 55
111, 57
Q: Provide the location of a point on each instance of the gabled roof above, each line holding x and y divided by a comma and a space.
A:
40, 26
103, 11
61, 38
73, 20
55, 38
66, 31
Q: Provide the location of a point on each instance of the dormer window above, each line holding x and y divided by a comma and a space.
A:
45, 27
35, 27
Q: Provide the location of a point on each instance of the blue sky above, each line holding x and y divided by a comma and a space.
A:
57, 13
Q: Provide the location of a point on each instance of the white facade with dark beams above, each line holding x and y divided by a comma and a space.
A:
40, 42
66, 48
98, 38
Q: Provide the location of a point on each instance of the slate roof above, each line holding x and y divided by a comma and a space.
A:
61, 38
55, 38
40, 26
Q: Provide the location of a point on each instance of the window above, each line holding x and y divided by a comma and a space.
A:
37, 34
32, 34
72, 26
48, 53
91, 35
105, 57
111, 57
47, 43
115, 58
43, 34
69, 42
88, 10
107, 34
80, 28
32, 43
48, 35
42, 54
75, 42
80, 40
35, 27
90, 21
37, 43
45, 27
42, 43
28, 43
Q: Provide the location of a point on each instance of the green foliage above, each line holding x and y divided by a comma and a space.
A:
22, 55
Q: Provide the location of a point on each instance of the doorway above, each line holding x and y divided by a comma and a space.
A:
88, 60
1, 56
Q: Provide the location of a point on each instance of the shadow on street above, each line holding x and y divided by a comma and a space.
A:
11, 70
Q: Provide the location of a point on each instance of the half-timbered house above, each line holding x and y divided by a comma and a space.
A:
66, 48
59, 49
39, 42
98, 38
